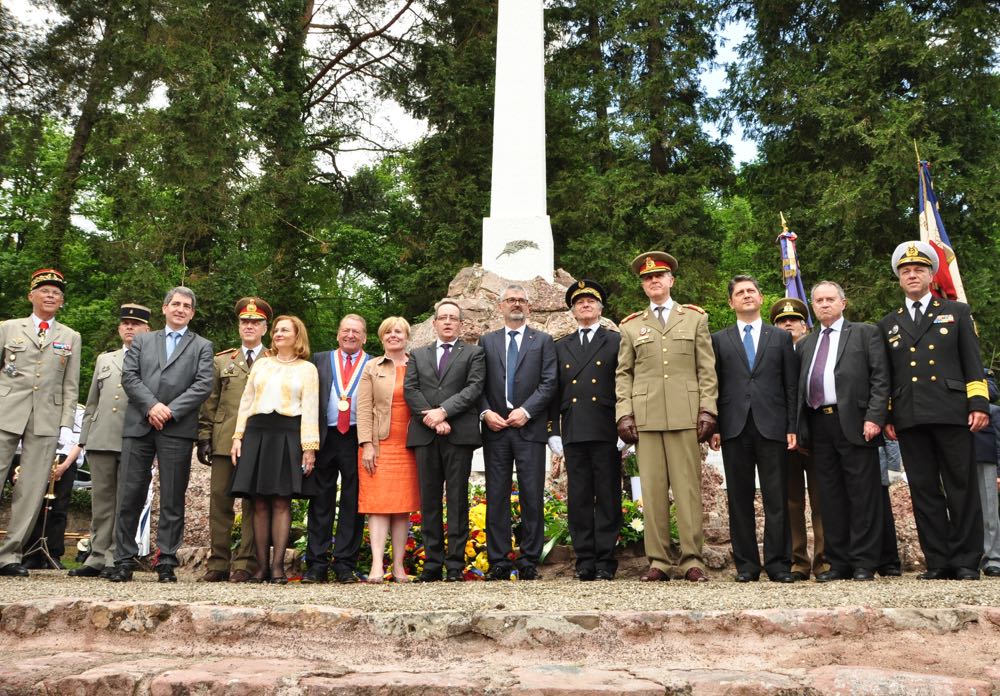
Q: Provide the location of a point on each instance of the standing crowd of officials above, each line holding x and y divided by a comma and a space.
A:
385, 436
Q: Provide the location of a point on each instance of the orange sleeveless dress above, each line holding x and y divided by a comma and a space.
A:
393, 488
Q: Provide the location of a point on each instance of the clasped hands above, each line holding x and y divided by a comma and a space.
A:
517, 418
158, 415
437, 420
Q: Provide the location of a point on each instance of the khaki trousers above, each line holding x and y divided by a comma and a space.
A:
800, 467
103, 498
220, 522
37, 453
671, 461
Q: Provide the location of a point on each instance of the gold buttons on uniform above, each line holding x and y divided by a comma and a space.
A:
664, 350
934, 378
913, 363
598, 362
593, 381
665, 376
117, 396
574, 399
574, 381
567, 366
35, 388
930, 362
593, 398
930, 347
913, 349
914, 379
114, 409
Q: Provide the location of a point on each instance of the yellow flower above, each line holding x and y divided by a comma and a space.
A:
477, 516
470, 549
481, 562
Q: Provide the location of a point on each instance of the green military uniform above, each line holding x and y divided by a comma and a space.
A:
217, 423
665, 377
39, 384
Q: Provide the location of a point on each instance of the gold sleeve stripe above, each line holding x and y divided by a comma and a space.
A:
977, 388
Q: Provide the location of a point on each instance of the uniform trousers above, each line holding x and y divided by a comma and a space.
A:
890, 545
37, 454
220, 522
801, 471
338, 458
987, 479
941, 469
850, 485
670, 460
442, 466
173, 457
594, 503
501, 452
104, 471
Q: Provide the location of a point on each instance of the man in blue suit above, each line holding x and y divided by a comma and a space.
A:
520, 382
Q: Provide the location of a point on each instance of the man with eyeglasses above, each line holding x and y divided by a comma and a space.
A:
442, 387
520, 382
39, 385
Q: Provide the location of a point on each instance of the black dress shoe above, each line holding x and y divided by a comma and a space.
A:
429, 577
863, 574
831, 575
121, 574
107, 572
84, 571
165, 574
314, 576
992, 571
889, 571
454, 575
782, 576
586, 574
603, 574
528, 572
800, 576
345, 576
936, 574
500, 572
746, 577
966, 574
14, 570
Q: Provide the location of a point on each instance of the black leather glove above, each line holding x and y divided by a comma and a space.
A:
706, 426
627, 430
205, 451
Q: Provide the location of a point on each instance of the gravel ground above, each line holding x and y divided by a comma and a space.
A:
544, 595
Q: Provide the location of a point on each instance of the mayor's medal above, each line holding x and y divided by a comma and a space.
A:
344, 389
344, 404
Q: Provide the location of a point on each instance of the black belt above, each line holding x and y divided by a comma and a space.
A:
824, 410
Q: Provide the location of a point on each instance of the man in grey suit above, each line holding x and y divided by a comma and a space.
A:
843, 403
101, 436
442, 387
167, 375
521, 380
39, 382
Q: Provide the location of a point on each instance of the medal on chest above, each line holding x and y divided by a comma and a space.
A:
343, 386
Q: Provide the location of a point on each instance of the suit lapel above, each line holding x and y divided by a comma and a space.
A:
673, 319
762, 344
734, 337
28, 328
845, 333
527, 341
185, 341
160, 339
574, 347
118, 358
456, 353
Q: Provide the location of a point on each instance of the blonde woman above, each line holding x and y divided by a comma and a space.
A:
276, 439
388, 490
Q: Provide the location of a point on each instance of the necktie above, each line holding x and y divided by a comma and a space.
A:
511, 365
917, 314
816, 397
172, 338
445, 357
585, 337
748, 344
344, 417
43, 326
249, 358
659, 315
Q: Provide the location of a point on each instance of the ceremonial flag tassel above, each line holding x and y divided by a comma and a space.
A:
947, 281
790, 271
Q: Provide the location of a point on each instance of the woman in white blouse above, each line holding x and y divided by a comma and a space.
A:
276, 439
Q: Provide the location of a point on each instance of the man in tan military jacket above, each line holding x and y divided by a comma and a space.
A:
101, 436
39, 383
666, 390
216, 424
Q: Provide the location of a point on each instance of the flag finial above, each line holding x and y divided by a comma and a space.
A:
784, 225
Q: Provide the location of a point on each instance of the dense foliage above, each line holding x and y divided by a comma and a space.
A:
154, 142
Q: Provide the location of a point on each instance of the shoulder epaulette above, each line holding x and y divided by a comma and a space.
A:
696, 308
234, 351
630, 317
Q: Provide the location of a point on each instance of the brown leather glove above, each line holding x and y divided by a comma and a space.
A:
706, 426
205, 451
627, 431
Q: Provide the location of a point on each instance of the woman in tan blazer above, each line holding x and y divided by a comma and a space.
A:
387, 471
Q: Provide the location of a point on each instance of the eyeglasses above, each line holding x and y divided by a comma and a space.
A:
447, 317
516, 300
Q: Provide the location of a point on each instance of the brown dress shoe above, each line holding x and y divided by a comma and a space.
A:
695, 575
214, 576
239, 575
654, 575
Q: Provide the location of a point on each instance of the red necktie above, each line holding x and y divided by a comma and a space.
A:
43, 326
344, 417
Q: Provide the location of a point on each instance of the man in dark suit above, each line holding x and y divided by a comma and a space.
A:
442, 387
939, 398
520, 382
758, 376
842, 402
583, 425
339, 376
167, 375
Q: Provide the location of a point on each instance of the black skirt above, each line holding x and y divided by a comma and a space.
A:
270, 461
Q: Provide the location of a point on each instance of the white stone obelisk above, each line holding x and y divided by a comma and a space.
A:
517, 236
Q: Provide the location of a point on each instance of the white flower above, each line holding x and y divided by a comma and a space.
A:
636, 524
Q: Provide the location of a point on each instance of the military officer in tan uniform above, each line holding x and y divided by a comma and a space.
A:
39, 382
101, 436
666, 390
216, 424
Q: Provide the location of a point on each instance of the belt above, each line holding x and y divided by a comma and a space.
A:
824, 410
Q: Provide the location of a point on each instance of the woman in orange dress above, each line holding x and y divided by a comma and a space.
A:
388, 490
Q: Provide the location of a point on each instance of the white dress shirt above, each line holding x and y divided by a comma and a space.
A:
754, 334
925, 303
829, 384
